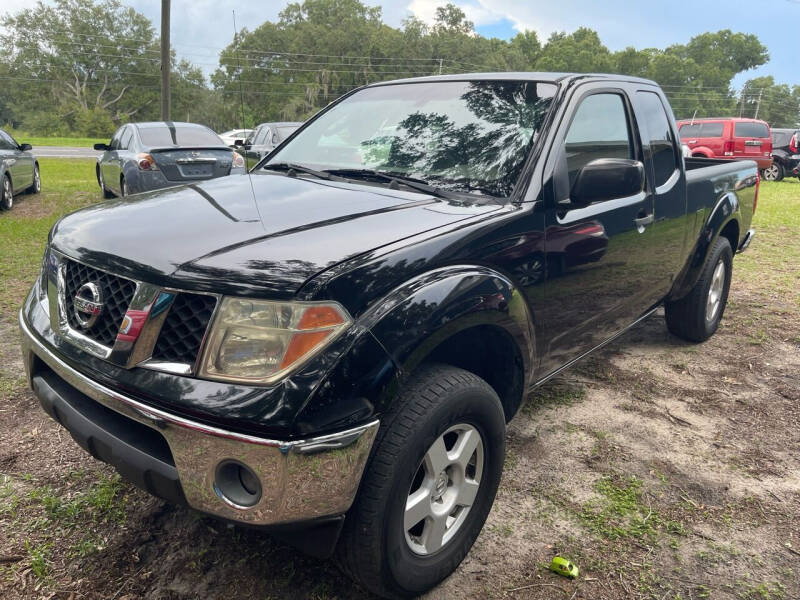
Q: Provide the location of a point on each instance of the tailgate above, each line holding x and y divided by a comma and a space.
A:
192, 164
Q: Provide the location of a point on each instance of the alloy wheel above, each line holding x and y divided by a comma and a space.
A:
444, 489
715, 291
771, 172
8, 194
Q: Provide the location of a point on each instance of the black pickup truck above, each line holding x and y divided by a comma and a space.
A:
331, 347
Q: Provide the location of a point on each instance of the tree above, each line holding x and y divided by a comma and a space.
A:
80, 66
778, 105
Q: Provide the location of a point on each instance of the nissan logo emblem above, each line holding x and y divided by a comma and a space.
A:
88, 304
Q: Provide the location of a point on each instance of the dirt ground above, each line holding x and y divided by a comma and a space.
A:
662, 469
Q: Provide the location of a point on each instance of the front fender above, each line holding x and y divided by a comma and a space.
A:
412, 320
726, 210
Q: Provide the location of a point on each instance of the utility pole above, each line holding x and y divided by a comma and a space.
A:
759, 103
165, 66
440, 66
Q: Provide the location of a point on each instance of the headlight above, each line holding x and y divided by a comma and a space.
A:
260, 341
238, 160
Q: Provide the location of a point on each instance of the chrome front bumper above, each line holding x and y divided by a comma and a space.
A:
300, 480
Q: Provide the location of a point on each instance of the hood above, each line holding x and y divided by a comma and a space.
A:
264, 234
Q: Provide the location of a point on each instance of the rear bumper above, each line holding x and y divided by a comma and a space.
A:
745, 243
180, 460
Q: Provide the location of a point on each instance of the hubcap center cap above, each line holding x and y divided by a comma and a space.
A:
440, 486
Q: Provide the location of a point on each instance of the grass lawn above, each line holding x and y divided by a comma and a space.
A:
67, 184
37, 140
62, 141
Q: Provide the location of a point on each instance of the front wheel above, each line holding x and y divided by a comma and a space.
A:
6, 194
696, 316
773, 173
429, 486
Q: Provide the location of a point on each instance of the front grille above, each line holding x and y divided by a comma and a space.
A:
117, 295
184, 328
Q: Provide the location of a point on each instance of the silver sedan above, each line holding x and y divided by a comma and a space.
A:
148, 156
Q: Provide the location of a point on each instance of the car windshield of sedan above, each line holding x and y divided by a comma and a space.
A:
461, 136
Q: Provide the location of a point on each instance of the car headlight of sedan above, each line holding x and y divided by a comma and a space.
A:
260, 341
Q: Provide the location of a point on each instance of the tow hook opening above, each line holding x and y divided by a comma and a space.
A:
236, 484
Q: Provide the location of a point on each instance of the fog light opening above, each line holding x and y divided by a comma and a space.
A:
236, 484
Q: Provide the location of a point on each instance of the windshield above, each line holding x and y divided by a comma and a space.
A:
179, 136
464, 136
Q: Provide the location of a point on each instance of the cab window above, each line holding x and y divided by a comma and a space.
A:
657, 131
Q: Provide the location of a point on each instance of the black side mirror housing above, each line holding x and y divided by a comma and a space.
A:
606, 179
25, 147
102, 147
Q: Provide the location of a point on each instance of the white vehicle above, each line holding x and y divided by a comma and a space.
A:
229, 137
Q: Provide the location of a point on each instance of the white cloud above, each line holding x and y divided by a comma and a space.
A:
480, 13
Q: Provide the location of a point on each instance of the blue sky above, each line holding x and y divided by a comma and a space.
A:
201, 27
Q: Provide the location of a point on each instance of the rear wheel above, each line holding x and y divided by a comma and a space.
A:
774, 172
7, 194
429, 485
696, 316
36, 186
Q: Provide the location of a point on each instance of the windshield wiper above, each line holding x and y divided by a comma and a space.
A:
292, 170
395, 180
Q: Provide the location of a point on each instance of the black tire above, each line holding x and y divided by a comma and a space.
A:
374, 548
36, 186
103, 189
6, 194
688, 318
123, 187
774, 173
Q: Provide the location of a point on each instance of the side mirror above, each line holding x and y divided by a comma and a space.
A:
606, 179
102, 147
25, 147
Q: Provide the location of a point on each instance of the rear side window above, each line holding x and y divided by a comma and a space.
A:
599, 129
690, 131
127, 137
711, 129
179, 136
697, 130
659, 134
756, 130
285, 132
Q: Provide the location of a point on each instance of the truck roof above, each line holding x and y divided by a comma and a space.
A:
519, 76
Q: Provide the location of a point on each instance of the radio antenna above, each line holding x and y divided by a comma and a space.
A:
244, 126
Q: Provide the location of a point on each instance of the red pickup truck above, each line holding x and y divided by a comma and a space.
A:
729, 138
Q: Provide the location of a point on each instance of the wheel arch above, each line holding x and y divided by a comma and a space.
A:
702, 152
723, 221
470, 317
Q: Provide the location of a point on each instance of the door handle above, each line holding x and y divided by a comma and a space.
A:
642, 222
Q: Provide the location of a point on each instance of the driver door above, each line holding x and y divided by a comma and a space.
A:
596, 254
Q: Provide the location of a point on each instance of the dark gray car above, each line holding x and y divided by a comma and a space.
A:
149, 156
19, 170
264, 139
